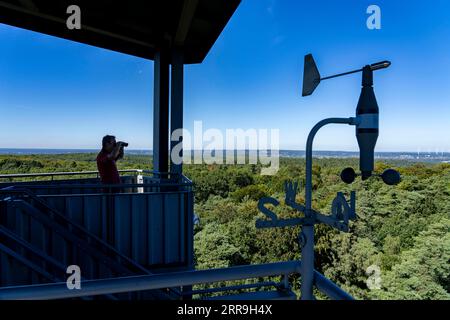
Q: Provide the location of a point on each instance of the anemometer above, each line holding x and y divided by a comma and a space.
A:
366, 120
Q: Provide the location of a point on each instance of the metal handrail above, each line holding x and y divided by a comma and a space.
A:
75, 173
108, 186
165, 280
55, 174
159, 179
148, 282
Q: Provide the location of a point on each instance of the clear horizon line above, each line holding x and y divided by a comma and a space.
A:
297, 150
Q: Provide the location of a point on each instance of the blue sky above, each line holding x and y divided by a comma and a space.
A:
60, 94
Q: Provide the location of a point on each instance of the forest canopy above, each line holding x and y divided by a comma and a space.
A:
402, 232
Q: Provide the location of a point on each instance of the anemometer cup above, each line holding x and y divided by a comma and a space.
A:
390, 177
348, 175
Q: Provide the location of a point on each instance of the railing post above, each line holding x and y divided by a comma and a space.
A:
286, 281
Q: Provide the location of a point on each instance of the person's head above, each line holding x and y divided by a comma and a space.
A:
108, 143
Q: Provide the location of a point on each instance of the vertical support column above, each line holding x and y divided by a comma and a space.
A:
161, 112
176, 109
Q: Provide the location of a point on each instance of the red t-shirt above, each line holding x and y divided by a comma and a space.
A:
107, 169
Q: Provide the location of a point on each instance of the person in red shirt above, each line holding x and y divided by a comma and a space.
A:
106, 160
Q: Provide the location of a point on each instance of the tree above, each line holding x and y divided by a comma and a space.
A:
391, 252
424, 270
213, 248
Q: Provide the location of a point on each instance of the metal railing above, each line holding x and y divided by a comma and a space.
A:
167, 280
151, 282
145, 181
52, 175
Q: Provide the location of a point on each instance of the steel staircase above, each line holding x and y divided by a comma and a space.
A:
43, 262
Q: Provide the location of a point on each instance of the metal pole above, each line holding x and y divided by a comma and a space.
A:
340, 74
176, 106
307, 233
161, 112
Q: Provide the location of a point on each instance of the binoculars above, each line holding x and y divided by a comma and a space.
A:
122, 144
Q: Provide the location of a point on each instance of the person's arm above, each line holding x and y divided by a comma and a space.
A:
120, 156
115, 153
